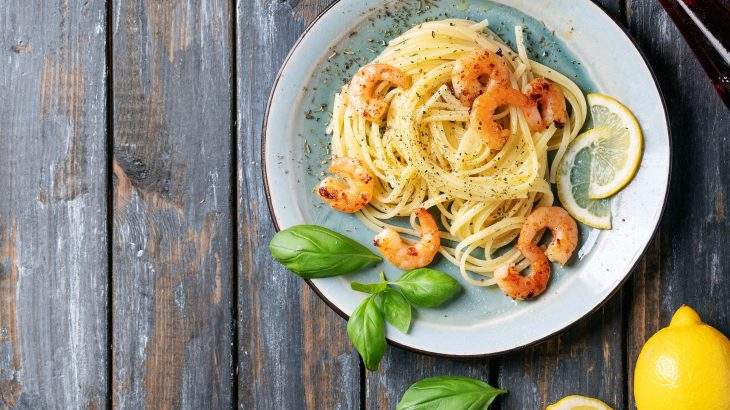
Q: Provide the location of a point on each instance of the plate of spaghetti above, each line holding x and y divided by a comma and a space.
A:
484, 139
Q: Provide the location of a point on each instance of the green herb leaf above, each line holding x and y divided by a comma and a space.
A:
371, 287
449, 392
366, 330
427, 287
368, 287
396, 309
313, 251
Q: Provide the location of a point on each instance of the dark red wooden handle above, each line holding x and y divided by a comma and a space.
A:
705, 25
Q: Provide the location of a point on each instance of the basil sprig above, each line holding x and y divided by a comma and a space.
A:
449, 392
420, 287
313, 251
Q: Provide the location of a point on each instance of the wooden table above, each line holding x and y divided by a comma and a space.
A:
134, 269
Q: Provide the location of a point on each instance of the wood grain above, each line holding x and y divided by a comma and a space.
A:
691, 261
615, 8
586, 359
172, 235
53, 247
293, 349
174, 151
401, 368
644, 295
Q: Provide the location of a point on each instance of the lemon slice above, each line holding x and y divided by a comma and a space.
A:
617, 153
573, 181
576, 402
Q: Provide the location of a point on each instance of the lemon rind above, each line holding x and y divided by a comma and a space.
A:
627, 172
569, 402
564, 192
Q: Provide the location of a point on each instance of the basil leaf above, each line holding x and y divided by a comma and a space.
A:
449, 392
396, 309
313, 251
369, 287
366, 330
427, 287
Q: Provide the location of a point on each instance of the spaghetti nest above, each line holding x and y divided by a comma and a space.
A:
422, 156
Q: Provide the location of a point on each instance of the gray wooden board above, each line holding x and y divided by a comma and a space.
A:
293, 349
586, 359
172, 236
173, 244
400, 368
53, 190
692, 261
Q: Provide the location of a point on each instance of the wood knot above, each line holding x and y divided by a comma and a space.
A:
22, 48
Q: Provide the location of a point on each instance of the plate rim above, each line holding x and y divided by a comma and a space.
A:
331, 305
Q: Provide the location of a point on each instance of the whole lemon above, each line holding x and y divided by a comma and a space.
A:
684, 366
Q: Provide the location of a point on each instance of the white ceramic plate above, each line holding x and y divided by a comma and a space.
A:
586, 44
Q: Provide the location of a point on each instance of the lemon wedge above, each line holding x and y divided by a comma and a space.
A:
576, 402
617, 150
574, 178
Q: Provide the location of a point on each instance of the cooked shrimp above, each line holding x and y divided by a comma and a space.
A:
481, 121
561, 225
548, 105
478, 72
517, 286
365, 83
409, 256
352, 187
565, 239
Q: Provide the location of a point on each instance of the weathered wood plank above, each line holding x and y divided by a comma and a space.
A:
691, 263
644, 309
401, 368
586, 359
172, 235
614, 7
293, 349
53, 246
